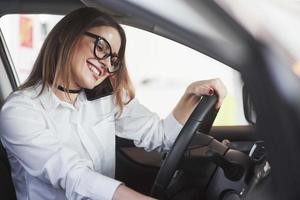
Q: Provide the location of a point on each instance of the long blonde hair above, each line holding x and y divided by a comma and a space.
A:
55, 55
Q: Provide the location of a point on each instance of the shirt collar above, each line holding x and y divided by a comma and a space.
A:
50, 101
81, 99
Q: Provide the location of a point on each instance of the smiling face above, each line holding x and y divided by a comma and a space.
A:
86, 70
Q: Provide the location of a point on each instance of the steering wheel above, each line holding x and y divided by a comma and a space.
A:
200, 120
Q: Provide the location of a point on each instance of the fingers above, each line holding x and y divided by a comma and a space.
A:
221, 91
209, 87
199, 88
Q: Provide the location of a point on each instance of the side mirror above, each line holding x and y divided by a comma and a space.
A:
249, 111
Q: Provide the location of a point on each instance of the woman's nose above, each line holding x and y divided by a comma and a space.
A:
106, 62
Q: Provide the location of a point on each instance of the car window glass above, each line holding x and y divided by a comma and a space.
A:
160, 68
24, 35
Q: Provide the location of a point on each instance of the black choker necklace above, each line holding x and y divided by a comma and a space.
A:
61, 88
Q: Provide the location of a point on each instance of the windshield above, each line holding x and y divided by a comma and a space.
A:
276, 23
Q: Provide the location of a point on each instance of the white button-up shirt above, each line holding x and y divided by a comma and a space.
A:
60, 151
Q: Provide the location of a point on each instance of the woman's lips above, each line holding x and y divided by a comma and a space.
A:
95, 70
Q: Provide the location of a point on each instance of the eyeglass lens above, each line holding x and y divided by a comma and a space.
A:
103, 50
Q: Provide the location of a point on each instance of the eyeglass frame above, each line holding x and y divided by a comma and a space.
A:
111, 55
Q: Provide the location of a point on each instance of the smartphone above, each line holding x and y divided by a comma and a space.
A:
105, 88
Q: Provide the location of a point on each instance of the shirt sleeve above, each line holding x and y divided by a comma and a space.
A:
25, 135
145, 128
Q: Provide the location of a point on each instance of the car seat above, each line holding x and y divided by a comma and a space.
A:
7, 190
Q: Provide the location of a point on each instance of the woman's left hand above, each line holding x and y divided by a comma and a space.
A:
192, 96
208, 87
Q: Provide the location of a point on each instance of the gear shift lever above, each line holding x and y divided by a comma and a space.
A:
232, 171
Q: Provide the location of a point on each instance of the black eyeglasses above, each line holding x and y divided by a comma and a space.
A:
102, 50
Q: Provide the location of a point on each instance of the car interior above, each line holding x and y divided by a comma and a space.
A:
206, 162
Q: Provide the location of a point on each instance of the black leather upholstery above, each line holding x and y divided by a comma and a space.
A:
7, 191
231, 195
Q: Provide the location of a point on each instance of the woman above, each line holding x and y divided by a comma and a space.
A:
60, 135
